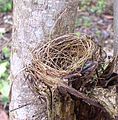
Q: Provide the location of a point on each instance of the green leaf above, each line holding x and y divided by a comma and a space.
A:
78, 34
3, 67
6, 5
5, 100
9, 6
4, 88
6, 52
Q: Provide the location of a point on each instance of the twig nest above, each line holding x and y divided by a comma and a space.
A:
65, 56
62, 55
65, 53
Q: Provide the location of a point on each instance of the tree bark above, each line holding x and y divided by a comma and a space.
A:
115, 27
115, 6
34, 22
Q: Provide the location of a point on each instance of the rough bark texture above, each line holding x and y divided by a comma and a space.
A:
115, 6
115, 27
34, 21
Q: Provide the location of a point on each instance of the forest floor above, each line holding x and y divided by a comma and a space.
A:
100, 26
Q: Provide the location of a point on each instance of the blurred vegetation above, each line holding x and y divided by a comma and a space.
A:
84, 21
6, 5
87, 8
93, 6
4, 74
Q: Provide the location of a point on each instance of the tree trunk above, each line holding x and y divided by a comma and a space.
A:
115, 6
34, 21
115, 27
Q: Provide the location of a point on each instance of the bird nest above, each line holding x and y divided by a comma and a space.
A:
61, 56
72, 58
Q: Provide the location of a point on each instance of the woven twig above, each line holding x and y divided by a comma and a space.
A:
60, 56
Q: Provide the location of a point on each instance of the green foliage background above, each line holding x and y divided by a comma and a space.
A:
93, 6
4, 75
6, 5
